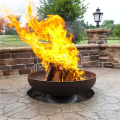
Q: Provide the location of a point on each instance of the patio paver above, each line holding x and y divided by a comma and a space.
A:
104, 105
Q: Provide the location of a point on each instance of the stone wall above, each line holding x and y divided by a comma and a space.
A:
89, 55
110, 56
18, 61
97, 35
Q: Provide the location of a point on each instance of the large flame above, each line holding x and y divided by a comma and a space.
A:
57, 48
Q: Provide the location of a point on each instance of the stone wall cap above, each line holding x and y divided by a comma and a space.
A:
86, 45
98, 30
110, 45
96, 45
8, 49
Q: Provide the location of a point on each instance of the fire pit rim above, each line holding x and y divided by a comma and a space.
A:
64, 81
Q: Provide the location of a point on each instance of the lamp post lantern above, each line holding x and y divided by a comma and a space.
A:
98, 16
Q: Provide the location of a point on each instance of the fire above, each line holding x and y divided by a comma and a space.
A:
49, 41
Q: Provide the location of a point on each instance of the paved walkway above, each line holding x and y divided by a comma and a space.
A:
104, 105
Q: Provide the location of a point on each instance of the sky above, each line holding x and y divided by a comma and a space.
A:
110, 8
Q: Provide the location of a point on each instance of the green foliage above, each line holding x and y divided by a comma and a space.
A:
77, 29
11, 32
117, 31
112, 38
69, 10
88, 26
108, 24
72, 11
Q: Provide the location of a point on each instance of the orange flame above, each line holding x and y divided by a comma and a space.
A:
56, 48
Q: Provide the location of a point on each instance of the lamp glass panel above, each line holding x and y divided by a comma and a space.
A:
96, 17
101, 17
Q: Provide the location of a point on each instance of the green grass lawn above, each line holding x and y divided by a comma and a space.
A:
113, 41
14, 41
11, 41
108, 42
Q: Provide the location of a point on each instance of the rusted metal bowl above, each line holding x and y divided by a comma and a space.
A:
35, 80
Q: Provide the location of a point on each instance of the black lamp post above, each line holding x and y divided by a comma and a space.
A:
98, 17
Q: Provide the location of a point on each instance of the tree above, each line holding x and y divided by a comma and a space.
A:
116, 31
108, 24
69, 10
72, 11
77, 29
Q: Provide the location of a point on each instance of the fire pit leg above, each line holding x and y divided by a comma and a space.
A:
61, 99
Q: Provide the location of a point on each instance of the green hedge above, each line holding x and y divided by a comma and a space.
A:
109, 38
113, 38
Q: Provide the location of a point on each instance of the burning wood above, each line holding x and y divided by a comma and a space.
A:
48, 74
58, 75
68, 77
58, 48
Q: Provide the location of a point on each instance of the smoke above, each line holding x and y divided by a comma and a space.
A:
3, 25
76, 28
18, 7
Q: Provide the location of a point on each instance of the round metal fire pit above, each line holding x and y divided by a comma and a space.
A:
61, 92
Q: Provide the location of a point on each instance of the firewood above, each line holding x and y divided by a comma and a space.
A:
68, 76
48, 73
57, 76
65, 73
61, 68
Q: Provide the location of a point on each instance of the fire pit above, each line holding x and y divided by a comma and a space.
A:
61, 92
53, 45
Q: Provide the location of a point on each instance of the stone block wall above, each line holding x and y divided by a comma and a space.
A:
17, 61
22, 60
110, 56
89, 55
97, 35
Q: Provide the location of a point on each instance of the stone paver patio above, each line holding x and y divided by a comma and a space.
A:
104, 105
